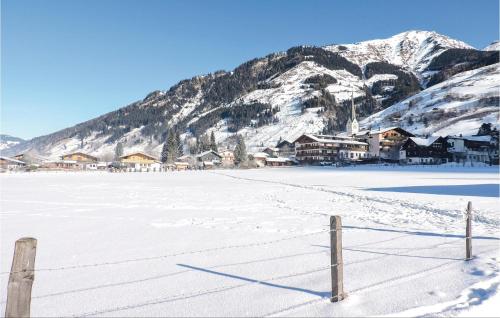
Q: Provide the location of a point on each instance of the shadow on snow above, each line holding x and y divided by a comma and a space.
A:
476, 190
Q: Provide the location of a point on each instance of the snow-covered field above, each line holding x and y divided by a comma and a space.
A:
255, 242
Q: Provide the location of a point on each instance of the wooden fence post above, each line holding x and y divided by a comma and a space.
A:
468, 232
21, 278
337, 265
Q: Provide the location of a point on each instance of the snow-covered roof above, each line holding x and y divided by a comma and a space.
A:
139, 153
375, 131
206, 153
334, 139
13, 160
80, 153
284, 141
279, 159
424, 141
486, 138
61, 161
260, 155
272, 148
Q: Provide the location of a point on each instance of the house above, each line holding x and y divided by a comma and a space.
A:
139, 161
189, 159
260, 158
79, 157
272, 152
227, 157
30, 159
285, 148
102, 165
10, 164
470, 148
208, 159
181, 165
62, 165
432, 150
313, 149
279, 162
385, 143
83, 161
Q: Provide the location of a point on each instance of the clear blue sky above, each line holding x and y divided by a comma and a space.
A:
64, 62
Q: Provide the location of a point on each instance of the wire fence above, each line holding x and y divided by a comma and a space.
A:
266, 281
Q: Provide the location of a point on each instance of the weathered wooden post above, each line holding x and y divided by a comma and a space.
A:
468, 232
21, 278
337, 265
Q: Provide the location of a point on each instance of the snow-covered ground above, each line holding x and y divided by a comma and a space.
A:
455, 106
255, 242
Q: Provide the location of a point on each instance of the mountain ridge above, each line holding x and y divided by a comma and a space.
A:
272, 97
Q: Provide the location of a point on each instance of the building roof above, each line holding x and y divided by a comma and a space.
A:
334, 139
206, 153
271, 148
486, 138
13, 160
139, 153
284, 142
279, 159
425, 142
80, 153
260, 155
383, 130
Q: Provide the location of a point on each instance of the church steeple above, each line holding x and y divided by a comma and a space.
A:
353, 108
352, 126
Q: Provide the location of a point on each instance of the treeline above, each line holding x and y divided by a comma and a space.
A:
405, 85
454, 61
320, 81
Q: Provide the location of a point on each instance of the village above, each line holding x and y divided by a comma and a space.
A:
353, 146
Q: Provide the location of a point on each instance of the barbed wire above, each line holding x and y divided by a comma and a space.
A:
150, 258
203, 291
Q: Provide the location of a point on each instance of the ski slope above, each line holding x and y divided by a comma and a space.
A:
255, 242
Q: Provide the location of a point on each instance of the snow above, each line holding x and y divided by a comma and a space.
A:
288, 97
494, 46
254, 242
413, 50
380, 77
424, 141
460, 96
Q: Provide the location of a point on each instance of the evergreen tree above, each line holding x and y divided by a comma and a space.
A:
213, 144
203, 143
164, 153
180, 146
426, 122
240, 151
118, 151
172, 148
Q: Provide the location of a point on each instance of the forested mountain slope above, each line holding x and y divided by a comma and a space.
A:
305, 89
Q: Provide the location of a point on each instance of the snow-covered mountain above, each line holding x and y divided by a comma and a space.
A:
412, 50
456, 106
494, 46
7, 141
305, 89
